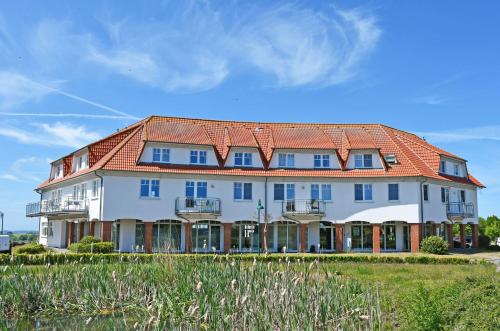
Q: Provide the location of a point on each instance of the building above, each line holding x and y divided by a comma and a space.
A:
191, 185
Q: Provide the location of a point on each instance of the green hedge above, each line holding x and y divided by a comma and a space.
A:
434, 245
97, 248
31, 248
147, 258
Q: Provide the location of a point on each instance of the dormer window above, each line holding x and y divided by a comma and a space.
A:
81, 162
57, 171
456, 170
161, 155
322, 161
363, 161
286, 160
198, 157
442, 167
243, 159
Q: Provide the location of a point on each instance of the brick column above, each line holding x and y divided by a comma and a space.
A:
449, 229
376, 238
302, 237
106, 230
71, 230
188, 236
462, 235
91, 228
81, 229
475, 236
339, 238
415, 229
148, 237
227, 236
265, 236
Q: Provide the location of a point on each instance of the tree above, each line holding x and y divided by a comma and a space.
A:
490, 226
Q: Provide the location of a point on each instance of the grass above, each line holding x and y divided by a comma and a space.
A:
232, 294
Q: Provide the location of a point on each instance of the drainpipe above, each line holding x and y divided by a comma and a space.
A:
265, 215
101, 194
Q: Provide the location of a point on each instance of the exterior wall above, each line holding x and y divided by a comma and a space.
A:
304, 159
377, 162
179, 153
450, 163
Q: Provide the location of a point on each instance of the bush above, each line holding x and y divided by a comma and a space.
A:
32, 248
434, 245
89, 240
98, 247
483, 241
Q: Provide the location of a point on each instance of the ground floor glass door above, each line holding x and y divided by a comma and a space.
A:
388, 236
326, 236
361, 236
206, 236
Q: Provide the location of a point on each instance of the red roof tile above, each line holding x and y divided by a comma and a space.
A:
121, 151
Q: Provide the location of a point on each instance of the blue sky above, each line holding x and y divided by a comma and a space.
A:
76, 71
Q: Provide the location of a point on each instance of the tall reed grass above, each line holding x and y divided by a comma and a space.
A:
175, 293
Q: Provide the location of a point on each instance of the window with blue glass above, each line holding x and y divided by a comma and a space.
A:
286, 160
165, 155
150, 188
145, 188
279, 191
247, 159
242, 191
242, 159
190, 189
156, 154
363, 161
194, 157
322, 161
326, 192
393, 192
198, 157
201, 189
315, 191
363, 192
203, 157
290, 191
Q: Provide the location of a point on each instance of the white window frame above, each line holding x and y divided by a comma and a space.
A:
242, 187
288, 158
442, 166
161, 153
365, 186
428, 193
321, 187
323, 158
389, 194
244, 156
150, 188
95, 188
362, 158
456, 170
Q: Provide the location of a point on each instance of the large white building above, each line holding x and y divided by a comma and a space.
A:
190, 185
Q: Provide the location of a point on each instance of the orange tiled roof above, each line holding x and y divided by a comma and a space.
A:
121, 151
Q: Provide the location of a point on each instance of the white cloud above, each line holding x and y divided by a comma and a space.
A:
16, 89
26, 169
57, 134
476, 133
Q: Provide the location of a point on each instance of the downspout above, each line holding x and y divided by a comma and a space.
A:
265, 216
101, 194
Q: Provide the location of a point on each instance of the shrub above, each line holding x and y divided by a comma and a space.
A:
434, 245
484, 241
32, 248
89, 240
98, 247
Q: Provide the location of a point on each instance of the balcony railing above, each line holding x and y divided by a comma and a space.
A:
67, 205
187, 205
460, 209
303, 206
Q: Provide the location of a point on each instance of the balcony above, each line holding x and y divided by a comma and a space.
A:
66, 207
303, 209
457, 211
197, 208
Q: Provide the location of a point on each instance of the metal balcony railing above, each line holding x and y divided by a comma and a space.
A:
188, 205
303, 206
460, 209
66, 205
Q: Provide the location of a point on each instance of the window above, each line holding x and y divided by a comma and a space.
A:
290, 191
445, 194
245, 236
83, 192
76, 192
284, 235
426, 192
442, 167
393, 192
206, 236
167, 236
326, 236
150, 188
286, 160
455, 169
462, 196
363, 161
196, 189
363, 192
95, 188
279, 191
242, 191
161, 155
47, 229
361, 236
243, 159
324, 194
322, 161
198, 157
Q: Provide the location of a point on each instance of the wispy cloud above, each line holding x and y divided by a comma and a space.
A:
196, 45
57, 134
435, 94
476, 133
25, 169
70, 115
431, 100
